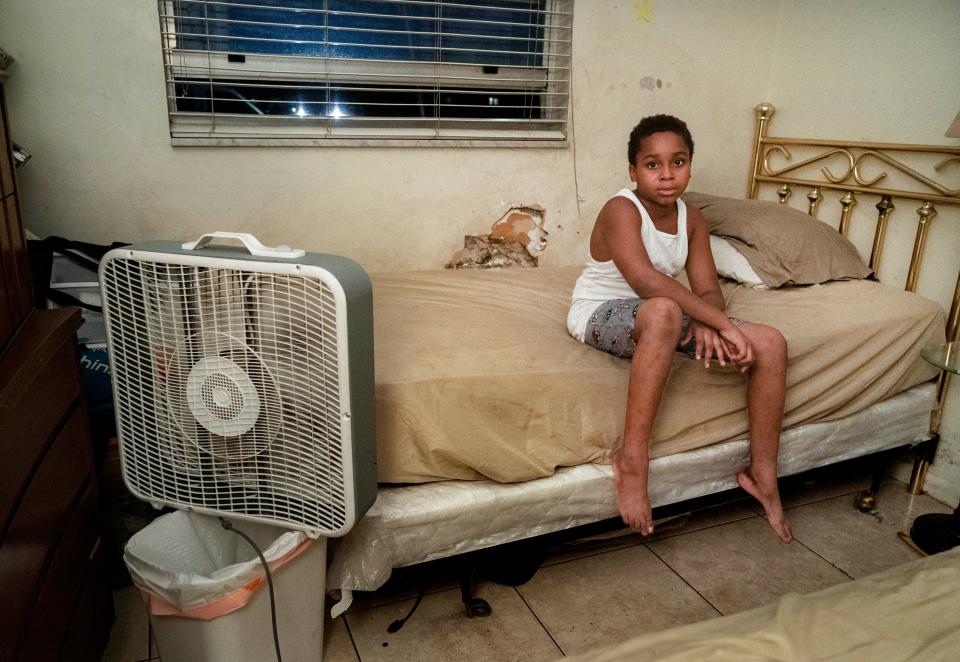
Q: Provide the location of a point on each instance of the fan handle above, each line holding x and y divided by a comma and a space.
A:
251, 243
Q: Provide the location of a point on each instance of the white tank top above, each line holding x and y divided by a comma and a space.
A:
602, 281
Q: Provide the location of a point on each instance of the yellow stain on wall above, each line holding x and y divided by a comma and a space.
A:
644, 11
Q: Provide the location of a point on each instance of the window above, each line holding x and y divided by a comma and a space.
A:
325, 71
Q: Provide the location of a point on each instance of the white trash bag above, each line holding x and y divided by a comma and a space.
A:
186, 564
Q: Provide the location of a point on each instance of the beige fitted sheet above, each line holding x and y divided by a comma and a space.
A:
908, 613
476, 376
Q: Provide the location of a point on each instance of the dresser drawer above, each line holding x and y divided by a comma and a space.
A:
41, 397
38, 526
89, 630
63, 583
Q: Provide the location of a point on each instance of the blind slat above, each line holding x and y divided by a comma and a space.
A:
326, 26
345, 88
428, 3
337, 28
439, 106
174, 53
203, 76
352, 44
364, 120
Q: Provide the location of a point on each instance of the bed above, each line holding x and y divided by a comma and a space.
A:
493, 425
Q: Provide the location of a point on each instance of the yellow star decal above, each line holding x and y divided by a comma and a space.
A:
644, 11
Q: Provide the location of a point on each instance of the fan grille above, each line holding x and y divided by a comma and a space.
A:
228, 390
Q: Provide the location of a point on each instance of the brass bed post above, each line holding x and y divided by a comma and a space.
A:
884, 207
764, 112
847, 202
920, 465
814, 199
784, 193
953, 334
953, 322
926, 213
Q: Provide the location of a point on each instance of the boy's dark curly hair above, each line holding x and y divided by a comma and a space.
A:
654, 124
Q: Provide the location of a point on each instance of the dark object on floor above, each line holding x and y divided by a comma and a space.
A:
509, 565
936, 532
476, 607
397, 624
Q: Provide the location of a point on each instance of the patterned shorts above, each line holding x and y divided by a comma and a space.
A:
611, 328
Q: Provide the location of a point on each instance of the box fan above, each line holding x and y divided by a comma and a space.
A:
243, 380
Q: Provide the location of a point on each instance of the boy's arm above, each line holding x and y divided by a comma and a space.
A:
701, 269
702, 273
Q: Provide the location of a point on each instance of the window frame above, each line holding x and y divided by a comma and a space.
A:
200, 129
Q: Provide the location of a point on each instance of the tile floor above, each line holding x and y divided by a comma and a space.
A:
605, 589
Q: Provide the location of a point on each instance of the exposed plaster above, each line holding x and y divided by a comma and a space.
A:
523, 225
516, 239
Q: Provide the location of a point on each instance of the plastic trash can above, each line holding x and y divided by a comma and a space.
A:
207, 596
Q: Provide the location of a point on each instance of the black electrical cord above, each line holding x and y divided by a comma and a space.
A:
266, 568
397, 624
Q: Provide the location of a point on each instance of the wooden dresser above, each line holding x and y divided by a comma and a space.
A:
57, 602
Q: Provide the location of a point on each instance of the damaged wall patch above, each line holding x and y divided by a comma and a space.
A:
517, 238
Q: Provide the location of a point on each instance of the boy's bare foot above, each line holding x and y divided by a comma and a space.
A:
630, 478
769, 498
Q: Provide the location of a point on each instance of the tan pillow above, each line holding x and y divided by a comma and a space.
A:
783, 245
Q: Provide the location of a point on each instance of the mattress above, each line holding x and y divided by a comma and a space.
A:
476, 377
416, 523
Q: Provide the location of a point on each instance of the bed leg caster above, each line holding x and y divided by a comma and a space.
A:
476, 607
866, 501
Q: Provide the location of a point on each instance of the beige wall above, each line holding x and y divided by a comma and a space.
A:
87, 98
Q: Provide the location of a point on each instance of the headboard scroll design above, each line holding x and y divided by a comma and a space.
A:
854, 167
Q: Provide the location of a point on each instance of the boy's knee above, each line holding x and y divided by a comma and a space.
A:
661, 318
770, 343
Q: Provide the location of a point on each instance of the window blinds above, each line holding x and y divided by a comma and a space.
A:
316, 71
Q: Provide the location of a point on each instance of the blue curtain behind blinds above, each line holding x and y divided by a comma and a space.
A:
490, 32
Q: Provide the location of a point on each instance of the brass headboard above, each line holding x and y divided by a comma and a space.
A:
852, 181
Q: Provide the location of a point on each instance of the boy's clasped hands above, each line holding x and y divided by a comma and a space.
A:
726, 345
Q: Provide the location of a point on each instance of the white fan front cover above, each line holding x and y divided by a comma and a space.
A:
229, 384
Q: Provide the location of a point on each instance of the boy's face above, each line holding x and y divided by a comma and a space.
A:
661, 168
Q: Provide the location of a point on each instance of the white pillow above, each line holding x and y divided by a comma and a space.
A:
731, 264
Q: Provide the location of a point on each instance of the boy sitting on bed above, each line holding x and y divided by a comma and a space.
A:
628, 303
